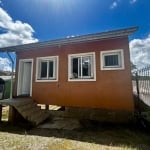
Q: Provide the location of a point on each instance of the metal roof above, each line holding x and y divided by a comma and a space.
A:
78, 39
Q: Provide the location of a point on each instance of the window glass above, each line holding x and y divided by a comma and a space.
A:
75, 67
47, 68
51, 69
86, 66
43, 69
111, 60
82, 66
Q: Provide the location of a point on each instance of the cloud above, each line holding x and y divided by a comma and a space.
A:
14, 32
114, 4
5, 64
133, 1
140, 52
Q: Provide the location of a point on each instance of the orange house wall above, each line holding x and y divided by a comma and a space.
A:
112, 89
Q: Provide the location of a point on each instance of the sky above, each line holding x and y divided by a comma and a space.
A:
28, 21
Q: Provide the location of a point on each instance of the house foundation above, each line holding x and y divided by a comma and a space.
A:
116, 116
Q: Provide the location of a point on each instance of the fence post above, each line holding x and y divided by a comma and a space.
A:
137, 84
138, 92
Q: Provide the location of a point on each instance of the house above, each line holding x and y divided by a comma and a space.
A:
88, 71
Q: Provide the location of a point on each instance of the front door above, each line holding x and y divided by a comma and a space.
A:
25, 78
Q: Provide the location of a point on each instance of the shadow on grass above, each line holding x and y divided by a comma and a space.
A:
126, 135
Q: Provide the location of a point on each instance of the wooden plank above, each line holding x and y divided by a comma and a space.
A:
25, 107
12, 114
15, 101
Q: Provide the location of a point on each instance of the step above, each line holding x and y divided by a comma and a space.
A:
22, 101
29, 109
35, 116
30, 112
41, 119
26, 107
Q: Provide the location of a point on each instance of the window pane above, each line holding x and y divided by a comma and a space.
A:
43, 69
86, 66
111, 60
75, 67
51, 69
82, 67
79, 67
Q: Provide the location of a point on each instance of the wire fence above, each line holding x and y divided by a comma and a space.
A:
141, 84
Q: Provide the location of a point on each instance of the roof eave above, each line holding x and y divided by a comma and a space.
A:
72, 40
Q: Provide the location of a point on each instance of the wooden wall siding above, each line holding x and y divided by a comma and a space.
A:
111, 90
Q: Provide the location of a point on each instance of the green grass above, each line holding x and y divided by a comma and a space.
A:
5, 113
5, 116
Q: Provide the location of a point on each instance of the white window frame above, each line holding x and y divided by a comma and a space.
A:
70, 56
55, 59
120, 54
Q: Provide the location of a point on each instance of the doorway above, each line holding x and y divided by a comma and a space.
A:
25, 77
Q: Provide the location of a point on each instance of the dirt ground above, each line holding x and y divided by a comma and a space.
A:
85, 135
72, 134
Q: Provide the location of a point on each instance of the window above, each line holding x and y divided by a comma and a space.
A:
47, 68
112, 60
81, 67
